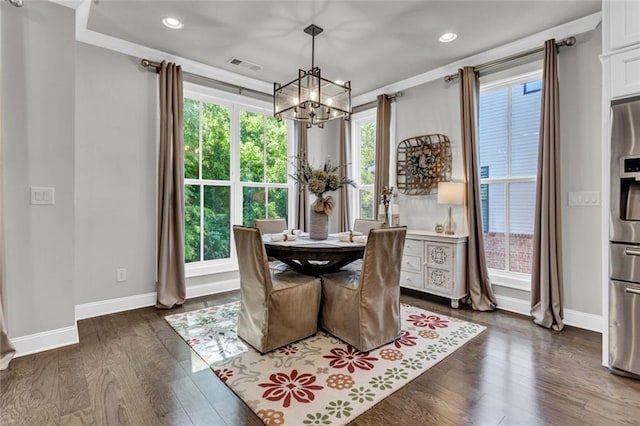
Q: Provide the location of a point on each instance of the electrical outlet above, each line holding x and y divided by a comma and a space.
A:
121, 275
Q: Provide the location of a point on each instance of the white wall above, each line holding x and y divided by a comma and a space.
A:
580, 150
434, 108
38, 74
430, 108
115, 164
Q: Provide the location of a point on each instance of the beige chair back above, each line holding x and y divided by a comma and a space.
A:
255, 279
270, 226
380, 284
366, 225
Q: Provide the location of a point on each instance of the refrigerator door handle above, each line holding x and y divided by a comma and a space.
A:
631, 251
632, 290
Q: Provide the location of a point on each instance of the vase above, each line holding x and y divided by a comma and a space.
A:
319, 225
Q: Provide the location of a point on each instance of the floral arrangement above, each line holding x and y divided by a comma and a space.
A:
320, 180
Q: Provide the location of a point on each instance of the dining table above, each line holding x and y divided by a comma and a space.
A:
314, 257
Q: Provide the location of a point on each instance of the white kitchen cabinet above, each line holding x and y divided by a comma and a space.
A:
625, 23
435, 263
625, 73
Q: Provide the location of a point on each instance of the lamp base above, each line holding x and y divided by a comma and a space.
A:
450, 226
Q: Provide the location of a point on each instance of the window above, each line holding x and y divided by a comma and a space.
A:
363, 155
509, 127
235, 166
263, 167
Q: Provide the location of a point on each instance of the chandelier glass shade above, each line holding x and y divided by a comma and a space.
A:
310, 97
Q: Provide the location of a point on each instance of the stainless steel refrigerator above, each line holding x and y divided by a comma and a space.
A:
624, 234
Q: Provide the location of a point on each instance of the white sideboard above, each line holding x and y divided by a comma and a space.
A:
435, 263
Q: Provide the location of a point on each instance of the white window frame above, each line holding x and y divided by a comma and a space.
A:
506, 278
368, 116
235, 103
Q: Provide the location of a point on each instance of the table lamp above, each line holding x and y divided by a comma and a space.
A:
451, 193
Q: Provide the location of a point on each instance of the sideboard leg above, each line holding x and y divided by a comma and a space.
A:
455, 303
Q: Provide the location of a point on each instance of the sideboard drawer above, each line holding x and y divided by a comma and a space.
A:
413, 247
411, 279
412, 263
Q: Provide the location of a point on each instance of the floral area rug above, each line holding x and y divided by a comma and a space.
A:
319, 380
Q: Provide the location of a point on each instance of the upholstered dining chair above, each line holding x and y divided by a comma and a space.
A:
275, 308
366, 225
363, 307
270, 226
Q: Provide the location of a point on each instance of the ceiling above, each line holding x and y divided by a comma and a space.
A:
370, 43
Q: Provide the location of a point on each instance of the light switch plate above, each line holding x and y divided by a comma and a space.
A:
583, 198
41, 195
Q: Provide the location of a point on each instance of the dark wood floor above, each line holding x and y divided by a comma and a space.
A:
132, 368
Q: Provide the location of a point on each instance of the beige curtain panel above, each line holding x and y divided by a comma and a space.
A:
546, 275
344, 220
383, 141
171, 286
480, 294
302, 204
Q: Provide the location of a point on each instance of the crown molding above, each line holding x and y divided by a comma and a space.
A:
579, 26
132, 49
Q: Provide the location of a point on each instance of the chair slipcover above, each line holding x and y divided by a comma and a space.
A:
275, 308
270, 226
366, 225
363, 307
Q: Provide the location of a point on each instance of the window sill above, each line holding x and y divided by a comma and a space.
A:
210, 268
512, 280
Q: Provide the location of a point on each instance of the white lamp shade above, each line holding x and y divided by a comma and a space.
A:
451, 192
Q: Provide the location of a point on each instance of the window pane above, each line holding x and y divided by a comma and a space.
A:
191, 138
522, 199
215, 142
366, 204
253, 204
493, 132
367, 153
278, 203
525, 128
276, 150
191, 223
251, 147
494, 236
217, 222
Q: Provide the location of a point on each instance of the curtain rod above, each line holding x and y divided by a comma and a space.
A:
569, 41
363, 107
147, 63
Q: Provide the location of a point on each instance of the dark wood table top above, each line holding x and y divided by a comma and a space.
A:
315, 257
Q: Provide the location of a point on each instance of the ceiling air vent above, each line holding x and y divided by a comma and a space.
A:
245, 64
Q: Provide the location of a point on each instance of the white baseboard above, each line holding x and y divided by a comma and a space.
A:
121, 304
573, 318
110, 306
39, 342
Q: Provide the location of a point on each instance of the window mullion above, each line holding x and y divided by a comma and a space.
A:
507, 195
200, 186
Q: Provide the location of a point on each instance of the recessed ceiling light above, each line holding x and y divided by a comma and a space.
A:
172, 23
340, 82
447, 37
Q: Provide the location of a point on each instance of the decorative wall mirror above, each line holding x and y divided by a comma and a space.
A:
422, 162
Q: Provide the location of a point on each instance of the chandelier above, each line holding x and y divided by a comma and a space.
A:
311, 98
